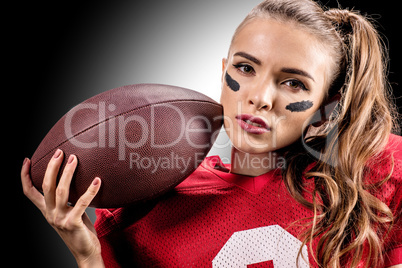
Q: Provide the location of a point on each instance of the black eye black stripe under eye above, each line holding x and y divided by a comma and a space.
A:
232, 84
299, 106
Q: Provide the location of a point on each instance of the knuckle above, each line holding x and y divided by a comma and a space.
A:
91, 192
29, 193
84, 201
52, 163
71, 224
68, 171
61, 191
26, 192
49, 218
46, 186
67, 174
58, 223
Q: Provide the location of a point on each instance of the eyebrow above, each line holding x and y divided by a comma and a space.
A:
297, 71
248, 56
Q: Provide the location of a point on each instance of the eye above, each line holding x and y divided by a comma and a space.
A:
244, 68
296, 85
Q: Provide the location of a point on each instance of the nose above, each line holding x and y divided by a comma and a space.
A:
261, 98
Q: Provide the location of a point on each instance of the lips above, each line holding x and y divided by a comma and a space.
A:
252, 124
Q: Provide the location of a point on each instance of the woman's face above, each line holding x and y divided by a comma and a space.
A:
272, 83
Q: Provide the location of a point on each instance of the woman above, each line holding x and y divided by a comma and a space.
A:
300, 191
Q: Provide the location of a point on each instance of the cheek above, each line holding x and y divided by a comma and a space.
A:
231, 83
288, 130
229, 102
300, 112
295, 124
231, 98
294, 121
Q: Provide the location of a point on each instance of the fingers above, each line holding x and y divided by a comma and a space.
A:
84, 201
29, 190
63, 188
53, 202
49, 181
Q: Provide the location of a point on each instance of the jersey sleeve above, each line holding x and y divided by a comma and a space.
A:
110, 225
393, 247
393, 190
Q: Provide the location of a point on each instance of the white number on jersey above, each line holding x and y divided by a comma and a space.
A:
270, 243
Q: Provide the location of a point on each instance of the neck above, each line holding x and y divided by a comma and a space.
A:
252, 164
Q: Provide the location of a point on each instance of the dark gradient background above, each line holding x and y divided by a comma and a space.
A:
66, 52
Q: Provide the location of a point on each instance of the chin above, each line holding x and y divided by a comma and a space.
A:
249, 145
254, 148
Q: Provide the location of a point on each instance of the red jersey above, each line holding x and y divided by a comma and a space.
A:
218, 219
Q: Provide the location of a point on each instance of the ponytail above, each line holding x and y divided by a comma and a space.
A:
365, 94
352, 221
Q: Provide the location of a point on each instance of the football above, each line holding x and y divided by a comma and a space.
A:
141, 140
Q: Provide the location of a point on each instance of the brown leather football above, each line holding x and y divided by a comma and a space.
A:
141, 140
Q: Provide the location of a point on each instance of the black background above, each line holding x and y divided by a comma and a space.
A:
48, 72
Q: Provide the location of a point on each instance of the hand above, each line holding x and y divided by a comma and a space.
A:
71, 223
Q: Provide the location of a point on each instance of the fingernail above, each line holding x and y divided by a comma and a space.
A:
57, 153
70, 159
96, 181
25, 161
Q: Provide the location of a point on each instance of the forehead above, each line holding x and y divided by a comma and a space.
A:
282, 44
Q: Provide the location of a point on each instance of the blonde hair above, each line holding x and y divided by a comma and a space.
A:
348, 220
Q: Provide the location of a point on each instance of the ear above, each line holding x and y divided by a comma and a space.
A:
224, 62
